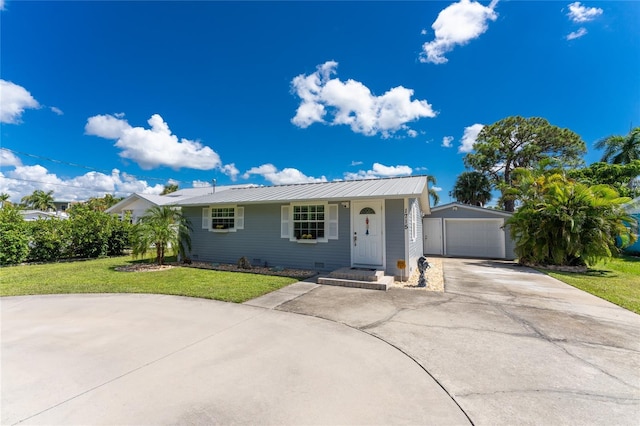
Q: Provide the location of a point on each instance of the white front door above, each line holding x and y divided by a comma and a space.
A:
432, 230
367, 240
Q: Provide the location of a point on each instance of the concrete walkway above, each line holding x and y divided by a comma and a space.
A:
509, 344
153, 359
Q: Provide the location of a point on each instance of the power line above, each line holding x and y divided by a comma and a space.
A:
56, 184
93, 169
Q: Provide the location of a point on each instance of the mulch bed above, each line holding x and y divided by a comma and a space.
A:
281, 272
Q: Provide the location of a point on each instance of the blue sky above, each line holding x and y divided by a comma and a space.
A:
123, 96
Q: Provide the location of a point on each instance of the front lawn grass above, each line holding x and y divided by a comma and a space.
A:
100, 276
616, 280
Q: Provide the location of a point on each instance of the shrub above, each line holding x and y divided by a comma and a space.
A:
48, 240
562, 222
14, 241
90, 231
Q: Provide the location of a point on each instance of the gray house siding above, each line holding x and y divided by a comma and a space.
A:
261, 243
394, 235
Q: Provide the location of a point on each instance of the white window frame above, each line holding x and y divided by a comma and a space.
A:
208, 222
287, 222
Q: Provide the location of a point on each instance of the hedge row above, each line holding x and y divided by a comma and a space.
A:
86, 234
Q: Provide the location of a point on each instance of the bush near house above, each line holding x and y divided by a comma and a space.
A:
562, 222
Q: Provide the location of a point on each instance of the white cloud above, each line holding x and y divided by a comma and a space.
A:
56, 110
379, 171
281, 177
436, 188
200, 184
23, 180
156, 146
351, 103
356, 163
8, 159
446, 141
577, 34
15, 99
579, 13
2, 4
457, 25
106, 126
469, 137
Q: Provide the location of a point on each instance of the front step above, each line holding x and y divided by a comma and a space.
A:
382, 283
357, 274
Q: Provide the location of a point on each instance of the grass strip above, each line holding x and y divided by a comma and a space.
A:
616, 280
100, 276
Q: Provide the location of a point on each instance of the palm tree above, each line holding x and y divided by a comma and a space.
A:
432, 192
169, 188
101, 204
472, 188
621, 149
165, 228
40, 200
4, 199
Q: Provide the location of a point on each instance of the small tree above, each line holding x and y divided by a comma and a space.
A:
472, 188
165, 228
14, 240
562, 222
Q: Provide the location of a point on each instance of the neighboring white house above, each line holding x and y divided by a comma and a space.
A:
137, 204
31, 215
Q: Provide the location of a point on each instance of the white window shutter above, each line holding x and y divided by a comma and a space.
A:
414, 222
333, 222
206, 218
284, 222
239, 218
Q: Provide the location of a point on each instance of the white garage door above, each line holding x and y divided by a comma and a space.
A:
474, 238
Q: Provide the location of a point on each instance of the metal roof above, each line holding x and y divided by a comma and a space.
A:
471, 207
171, 198
411, 186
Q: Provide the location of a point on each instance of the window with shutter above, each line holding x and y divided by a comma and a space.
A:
309, 223
284, 221
206, 218
223, 218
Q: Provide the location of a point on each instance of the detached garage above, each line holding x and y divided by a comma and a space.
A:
461, 230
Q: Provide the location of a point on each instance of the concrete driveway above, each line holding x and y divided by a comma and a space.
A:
510, 345
151, 359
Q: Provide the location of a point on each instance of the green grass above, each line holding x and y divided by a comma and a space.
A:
617, 280
100, 276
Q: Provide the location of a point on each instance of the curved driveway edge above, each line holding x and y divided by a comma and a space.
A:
509, 344
153, 359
